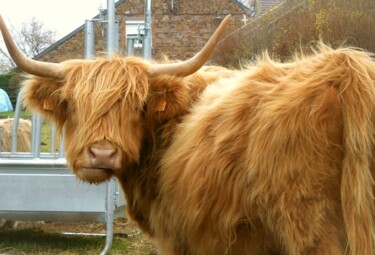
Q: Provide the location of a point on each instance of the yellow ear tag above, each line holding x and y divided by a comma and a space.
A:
161, 106
48, 105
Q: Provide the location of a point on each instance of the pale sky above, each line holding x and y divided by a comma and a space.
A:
62, 16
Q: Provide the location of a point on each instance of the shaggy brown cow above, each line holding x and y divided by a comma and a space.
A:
274, 159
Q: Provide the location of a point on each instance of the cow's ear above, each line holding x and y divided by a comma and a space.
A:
168, 97
44, 95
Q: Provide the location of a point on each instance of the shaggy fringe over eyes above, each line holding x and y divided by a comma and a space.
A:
104, 90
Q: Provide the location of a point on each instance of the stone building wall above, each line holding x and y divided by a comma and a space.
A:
180, 28
72, 47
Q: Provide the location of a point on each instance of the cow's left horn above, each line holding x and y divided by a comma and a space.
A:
26, 64
191, 65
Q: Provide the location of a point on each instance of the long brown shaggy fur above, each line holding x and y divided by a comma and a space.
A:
23, 135
273, 159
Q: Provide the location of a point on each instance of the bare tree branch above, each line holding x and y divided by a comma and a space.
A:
32, 39
7, 57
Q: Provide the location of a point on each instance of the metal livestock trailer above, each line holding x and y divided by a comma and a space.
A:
38, 186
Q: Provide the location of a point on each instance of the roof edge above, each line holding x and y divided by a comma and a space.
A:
70, 35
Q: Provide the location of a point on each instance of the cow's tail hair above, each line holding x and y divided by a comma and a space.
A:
357, 96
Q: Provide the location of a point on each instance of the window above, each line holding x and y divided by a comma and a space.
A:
135, 32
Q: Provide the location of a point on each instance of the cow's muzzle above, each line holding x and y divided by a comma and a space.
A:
102, 159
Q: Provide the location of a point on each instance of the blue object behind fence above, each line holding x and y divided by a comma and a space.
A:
5, 104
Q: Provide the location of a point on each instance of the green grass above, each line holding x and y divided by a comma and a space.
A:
31, 240
10, 114
46, 138
34, 241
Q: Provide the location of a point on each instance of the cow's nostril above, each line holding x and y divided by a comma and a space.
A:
91, 153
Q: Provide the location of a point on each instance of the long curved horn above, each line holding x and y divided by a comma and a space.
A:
26, 64
191, 65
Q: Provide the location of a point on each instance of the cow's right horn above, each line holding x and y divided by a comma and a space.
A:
28, 65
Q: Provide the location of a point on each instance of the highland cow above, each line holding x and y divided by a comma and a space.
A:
276, 158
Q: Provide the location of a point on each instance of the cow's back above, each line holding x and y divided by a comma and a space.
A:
259, 158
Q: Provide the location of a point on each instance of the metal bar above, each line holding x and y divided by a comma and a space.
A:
32, 162
111, 28
82, 234
109, 215
26, 155
52, 138
130, 46
61, 147
89, 39
29, 155
16, 119
33, 132
147, 40
38, 136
